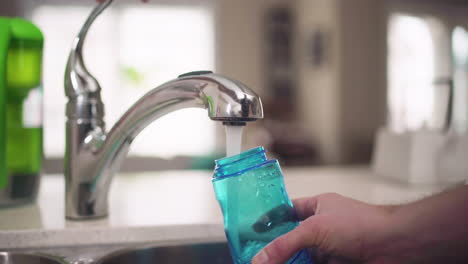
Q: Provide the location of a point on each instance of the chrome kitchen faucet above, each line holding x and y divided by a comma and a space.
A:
93, 155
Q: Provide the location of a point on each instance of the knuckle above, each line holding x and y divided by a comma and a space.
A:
318, 231
270, 250
278, 248
330, 196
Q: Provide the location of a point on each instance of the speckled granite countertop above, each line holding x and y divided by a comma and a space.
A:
174, 206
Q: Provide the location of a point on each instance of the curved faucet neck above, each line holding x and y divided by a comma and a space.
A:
92, 157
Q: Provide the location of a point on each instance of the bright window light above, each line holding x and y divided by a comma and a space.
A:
410, 73
460, 46
131, 50
460, 79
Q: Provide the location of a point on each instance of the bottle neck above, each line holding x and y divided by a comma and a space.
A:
235, 165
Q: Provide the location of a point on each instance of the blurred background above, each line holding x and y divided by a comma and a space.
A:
330, 73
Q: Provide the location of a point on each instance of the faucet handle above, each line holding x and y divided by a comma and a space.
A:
194, 73
78, 80
81, 88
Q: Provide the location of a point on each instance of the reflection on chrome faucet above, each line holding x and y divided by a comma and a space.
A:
93, 156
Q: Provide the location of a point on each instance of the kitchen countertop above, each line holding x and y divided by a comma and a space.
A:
175, 206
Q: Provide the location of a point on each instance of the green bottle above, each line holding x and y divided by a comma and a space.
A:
21, 44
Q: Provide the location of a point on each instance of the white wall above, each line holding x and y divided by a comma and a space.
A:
341, 103
319, 87
363, 76
240, 50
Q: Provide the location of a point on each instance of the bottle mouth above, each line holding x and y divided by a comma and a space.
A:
241, 156
240, 163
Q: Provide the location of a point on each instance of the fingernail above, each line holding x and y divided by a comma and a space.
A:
260, 258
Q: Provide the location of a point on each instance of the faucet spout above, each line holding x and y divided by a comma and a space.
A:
100, 154
93, 156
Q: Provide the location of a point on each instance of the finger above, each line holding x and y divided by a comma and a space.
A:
305, 207
280, 249
284, 247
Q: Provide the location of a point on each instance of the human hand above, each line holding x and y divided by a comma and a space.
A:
342, 230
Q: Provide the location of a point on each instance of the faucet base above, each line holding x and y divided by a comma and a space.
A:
81, 202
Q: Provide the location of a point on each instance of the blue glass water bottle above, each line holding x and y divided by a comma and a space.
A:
255, 205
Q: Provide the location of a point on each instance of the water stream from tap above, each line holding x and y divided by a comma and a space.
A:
233, 140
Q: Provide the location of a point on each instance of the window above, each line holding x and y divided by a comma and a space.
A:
410, 72
131, 49
460, 79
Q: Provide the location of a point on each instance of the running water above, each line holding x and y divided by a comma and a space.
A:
233, 140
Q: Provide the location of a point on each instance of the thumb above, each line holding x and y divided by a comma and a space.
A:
284, 247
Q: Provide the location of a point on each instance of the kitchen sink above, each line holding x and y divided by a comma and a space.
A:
213, 253
171, 252
26, 258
